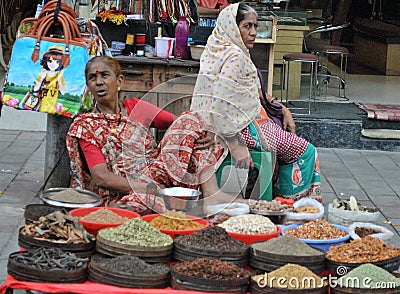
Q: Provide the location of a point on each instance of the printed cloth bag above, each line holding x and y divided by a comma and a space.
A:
46, 68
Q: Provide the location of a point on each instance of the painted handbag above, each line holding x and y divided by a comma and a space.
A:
46, 68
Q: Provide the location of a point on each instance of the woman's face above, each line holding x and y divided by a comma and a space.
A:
248, 30
53, 64
102, 82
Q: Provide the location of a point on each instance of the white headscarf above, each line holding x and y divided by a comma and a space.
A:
227, 86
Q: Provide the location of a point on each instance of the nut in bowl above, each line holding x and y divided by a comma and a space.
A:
94, 219
250, 228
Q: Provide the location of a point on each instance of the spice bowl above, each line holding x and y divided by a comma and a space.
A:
148, 218
92, 226
323, 245
252, 238
179, 198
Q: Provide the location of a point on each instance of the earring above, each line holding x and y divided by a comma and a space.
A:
119, 89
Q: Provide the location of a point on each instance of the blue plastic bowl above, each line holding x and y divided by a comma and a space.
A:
321, 244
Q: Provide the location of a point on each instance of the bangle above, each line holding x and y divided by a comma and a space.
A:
273, 99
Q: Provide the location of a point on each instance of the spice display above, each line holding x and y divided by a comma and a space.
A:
274, 205
104, 215
174, 220
291, 276
317, 230
49, 259
70, 196
129, 265
306, 209
212, 238
286, 245
136, 232
57, 227
249, 224
363, 232
213, 269
367, 249
368, 276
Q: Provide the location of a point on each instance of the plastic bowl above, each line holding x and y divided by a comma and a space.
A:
321, 244
252, 238
148, 218
196, 51
94, 227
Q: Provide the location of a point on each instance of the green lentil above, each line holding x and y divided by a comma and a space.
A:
286, 245
136, 232
375, 275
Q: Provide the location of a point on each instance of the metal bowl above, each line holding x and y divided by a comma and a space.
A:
92, 199
179, 198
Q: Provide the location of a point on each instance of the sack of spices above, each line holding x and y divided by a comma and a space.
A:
359, 230
305, 209
346, 212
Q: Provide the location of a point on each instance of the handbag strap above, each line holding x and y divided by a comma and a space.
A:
45, 25
51, 6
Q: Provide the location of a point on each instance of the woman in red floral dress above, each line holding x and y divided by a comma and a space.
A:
112, 152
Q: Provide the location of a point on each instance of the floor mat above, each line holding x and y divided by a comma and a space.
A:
381, 111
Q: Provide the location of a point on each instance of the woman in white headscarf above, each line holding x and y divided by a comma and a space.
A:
227, 93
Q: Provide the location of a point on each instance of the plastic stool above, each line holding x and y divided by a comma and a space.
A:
263, 162
313, 60
343, 53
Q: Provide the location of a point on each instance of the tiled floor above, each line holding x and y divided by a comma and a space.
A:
367, 88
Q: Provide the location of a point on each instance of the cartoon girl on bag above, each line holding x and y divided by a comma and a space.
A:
50, 80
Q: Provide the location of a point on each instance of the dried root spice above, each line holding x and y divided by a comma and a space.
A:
286, 245
317, 230
57, 227
174, 220
104, 215
212, 269
49, 259
290, 276
367, 249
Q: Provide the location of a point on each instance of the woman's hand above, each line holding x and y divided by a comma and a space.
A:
288, 121
240, 154
206, 142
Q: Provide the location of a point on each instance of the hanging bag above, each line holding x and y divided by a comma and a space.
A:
46, 68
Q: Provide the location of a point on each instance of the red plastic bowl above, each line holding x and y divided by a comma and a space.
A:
148, 218
252, 238
94, 227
